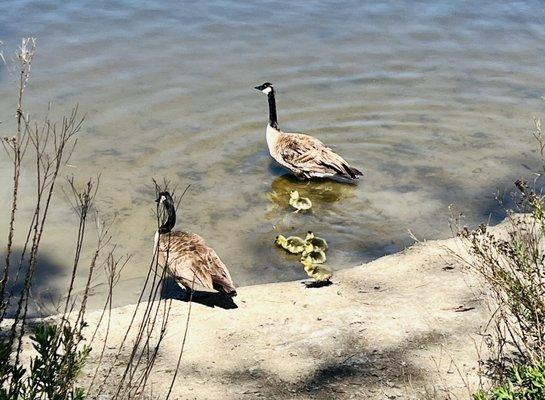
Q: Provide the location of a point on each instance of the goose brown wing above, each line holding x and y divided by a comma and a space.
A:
221, 278
189, 257
308, 156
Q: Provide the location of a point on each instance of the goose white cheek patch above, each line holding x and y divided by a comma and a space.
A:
267, 90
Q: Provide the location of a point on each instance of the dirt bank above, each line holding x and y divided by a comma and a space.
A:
403, 326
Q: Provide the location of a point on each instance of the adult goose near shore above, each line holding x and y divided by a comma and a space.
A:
305, 156
186, 256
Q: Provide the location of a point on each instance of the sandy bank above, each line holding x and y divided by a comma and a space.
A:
403, 326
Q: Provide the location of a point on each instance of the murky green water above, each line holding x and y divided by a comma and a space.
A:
433, 100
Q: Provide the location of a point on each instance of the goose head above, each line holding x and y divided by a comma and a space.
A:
166, 211
266, 88
164, 197
280, 240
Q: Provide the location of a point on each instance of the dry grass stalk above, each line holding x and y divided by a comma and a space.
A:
147, 329
51, 145
512, 267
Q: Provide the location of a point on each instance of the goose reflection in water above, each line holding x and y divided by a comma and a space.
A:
319, 191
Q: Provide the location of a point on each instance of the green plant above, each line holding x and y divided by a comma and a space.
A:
52, 373
522, 383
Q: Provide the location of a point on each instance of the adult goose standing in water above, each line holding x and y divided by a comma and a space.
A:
186, 256
305, 156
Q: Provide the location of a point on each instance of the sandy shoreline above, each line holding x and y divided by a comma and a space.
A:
391, 328
403, 326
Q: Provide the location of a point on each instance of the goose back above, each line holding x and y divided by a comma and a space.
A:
193, 263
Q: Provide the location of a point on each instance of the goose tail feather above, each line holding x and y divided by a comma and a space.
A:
227, 290
351, 172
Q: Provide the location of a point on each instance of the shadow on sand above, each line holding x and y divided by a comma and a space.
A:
310, 284
171, 290
44, 298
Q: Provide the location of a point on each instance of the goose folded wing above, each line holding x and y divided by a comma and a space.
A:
298, 149
185, 255
219, 273
210, 272
191, 272
310, 155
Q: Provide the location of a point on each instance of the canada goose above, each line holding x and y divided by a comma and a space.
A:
293, 244
315, 255
298, 202
187, 257
305, 156
316, 242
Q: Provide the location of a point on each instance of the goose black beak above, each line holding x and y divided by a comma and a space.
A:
258, 87
157, 200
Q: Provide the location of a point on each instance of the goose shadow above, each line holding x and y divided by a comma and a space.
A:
171, 290
316, 284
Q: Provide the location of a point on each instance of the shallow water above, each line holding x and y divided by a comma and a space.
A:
432, 100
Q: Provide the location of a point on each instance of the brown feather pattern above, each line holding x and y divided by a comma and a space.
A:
308, 157
187, 257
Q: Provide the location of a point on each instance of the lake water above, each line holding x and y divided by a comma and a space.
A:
433, 100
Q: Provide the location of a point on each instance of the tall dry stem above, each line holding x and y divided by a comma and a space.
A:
15, 147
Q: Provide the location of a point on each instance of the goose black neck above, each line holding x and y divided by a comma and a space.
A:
273, 121
171, 220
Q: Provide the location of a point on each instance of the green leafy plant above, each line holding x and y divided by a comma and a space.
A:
60, 356
523, 383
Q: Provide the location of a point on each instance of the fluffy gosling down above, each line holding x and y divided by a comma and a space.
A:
315, 255
298, 202
292, 244
315, 241
305, 156
317, 272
